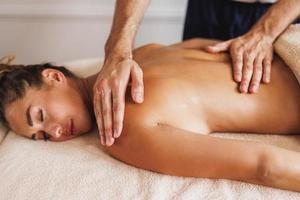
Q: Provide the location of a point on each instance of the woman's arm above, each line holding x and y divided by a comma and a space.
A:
174, 151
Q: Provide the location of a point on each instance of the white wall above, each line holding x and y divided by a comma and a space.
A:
62, 30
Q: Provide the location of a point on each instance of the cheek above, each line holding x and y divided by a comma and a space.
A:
65, 104
70, 106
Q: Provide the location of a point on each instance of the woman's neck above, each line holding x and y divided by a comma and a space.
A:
86, 87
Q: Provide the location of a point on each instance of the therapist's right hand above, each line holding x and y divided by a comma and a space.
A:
109, 95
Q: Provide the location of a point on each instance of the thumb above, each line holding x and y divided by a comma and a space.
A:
219, 47
137, 87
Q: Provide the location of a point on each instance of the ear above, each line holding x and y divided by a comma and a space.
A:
53, 76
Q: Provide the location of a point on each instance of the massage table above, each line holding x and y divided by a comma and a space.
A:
80, 169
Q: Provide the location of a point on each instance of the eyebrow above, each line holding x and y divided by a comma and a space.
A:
28, 117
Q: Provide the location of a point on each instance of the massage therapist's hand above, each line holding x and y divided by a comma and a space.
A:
251, 56
109, 95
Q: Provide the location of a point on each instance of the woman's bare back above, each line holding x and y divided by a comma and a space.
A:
193, 90
188, 94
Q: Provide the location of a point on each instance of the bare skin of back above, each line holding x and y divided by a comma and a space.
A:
189, 94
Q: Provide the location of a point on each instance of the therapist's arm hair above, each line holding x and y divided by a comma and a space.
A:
127, 17
277, 18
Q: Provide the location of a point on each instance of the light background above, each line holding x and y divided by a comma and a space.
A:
63, 30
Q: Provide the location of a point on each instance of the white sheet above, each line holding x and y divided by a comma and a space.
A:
79, 169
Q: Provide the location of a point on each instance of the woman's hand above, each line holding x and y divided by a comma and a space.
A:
109, 95
251, 56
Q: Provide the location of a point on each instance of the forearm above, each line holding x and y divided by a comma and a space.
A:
283, 169
177, 152
127, 18
277, 19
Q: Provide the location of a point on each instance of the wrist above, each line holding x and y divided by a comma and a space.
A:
118, 49
261, 35
117, 55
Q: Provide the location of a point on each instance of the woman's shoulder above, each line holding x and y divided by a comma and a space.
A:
144, 51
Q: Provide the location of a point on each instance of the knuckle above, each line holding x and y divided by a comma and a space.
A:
248, 68
239, 48
245, 79
237, 72
237, 62
268, 63
118, 110
116, 107
115, 82
101, 85
116, 122
97, 112
258, 67
248, 54
107, 130
236, 44
103, 82
255, 80
101, 134
106, 111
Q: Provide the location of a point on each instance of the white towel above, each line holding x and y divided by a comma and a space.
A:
287, 46
79, 169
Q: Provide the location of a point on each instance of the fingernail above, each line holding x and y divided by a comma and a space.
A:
254, 88
116, 133
242, 89
238, 78
139, 97
267, 80
110, 141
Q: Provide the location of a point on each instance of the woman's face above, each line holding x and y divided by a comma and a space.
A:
57, 111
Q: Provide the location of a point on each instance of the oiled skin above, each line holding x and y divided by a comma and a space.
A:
189, 94
189, 82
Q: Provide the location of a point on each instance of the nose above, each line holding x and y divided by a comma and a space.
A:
54, 130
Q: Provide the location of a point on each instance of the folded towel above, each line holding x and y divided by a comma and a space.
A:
287, 46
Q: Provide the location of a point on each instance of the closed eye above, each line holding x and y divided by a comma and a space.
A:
46, 136
41, 116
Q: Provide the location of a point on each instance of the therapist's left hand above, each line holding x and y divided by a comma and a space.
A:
251, 56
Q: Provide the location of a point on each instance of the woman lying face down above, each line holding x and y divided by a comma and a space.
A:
188, 95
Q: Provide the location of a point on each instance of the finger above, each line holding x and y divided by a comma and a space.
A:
267, 64
237, 62
257, 75
98, 113
118, 94
137, 87
219, 47
107, 115
247, 72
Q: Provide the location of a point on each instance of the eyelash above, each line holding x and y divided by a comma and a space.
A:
46, 136
41, 116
